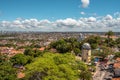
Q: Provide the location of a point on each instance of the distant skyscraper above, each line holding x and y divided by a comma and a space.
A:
81, 37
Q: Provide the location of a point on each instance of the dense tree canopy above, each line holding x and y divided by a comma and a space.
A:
66, 45
19, 59
117, 54
94, 41
56, 67
118, 42
105, 51
7, 72
109, 34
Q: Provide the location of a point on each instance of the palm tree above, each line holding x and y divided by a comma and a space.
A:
109, 34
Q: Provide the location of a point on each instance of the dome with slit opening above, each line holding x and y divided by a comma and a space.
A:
86, 46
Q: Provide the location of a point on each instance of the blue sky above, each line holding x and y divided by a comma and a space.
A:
62, 11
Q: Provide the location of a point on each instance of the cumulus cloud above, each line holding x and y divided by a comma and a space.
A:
108, 17
82, 13
117, 14
85, 3
91, 19
105, 23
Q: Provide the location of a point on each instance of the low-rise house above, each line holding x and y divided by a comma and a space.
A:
20, 67
117, 69
42, 49
117, 63
116, 79
53, 50
117, 72
20, 75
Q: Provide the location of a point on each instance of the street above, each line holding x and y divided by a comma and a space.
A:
102, 74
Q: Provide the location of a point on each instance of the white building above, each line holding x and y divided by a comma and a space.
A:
86, 52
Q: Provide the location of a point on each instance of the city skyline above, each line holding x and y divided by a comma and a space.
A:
60, 15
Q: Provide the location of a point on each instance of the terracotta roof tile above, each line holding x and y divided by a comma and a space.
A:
115, 78
20, 75
42, 49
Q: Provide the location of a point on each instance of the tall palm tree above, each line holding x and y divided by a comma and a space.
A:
109, 34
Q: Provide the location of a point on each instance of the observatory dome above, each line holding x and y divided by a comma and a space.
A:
86, 46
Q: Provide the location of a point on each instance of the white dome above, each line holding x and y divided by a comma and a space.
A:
86, 46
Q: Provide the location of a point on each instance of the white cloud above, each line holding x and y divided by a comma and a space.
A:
105, 23
85, 3
117, 14
108, 17
91, 19
82, 13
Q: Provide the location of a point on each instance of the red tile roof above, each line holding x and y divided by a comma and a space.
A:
115, 78
118, 59
20, 75
42, 49
117, 64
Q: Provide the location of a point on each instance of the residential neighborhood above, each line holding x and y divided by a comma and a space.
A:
100, 56
59, 39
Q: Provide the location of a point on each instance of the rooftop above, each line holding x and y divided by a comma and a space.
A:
86, 46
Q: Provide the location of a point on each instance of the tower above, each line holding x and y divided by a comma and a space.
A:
86, 52
81, 37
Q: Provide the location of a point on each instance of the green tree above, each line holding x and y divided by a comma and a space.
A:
55, 67
94, 41
77, 51
105, 51
65, 45
19, 59
117, 54
7, 72
29, 52
3, 58
118, 42
86, 75
37, 53
109, 34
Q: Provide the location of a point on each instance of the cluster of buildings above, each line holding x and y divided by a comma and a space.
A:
116, 67
10, 51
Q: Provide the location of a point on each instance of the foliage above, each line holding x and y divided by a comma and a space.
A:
110, 42
29, 52
109, 33
3, 58
77, 51
33, 53
118, 42
65, 45
94, 41
19, 59
105, 51
117, 54
86, 75
7, 72
55, 67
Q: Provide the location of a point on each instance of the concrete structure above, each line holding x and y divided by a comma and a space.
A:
81, 37
86, 52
